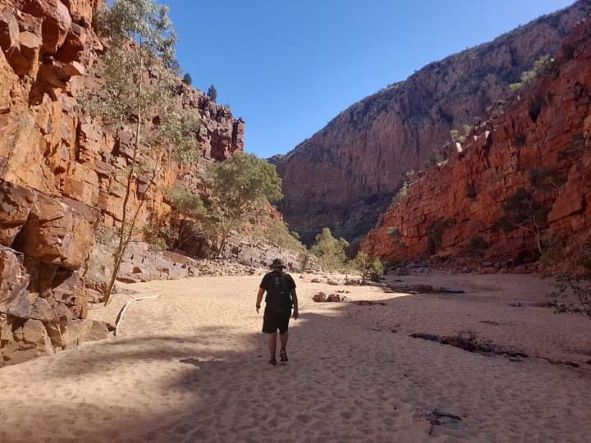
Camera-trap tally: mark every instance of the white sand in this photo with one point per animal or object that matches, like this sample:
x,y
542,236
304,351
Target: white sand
x,y
191,366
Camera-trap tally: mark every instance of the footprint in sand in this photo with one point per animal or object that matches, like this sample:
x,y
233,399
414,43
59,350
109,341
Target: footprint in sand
x,y
304,418
346,415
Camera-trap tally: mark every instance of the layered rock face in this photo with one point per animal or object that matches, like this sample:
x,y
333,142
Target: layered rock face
x,y
539,149
346,174
62,174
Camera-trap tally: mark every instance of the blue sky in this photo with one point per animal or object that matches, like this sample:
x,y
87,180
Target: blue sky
x,y
289,66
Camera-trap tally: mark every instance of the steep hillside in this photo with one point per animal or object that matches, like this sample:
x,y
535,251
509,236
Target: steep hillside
x,y
346,174
519,189
62,174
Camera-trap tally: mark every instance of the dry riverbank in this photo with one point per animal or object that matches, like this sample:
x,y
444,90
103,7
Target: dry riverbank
x,y
191,366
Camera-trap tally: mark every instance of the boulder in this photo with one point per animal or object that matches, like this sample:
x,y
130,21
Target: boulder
x,y
13,278
29,340
15,205
5,330
56,233
41,310
25,60
56,22
9,32
82,11
33,331
79,331
74,45
319,297
334,298
99,267
21,306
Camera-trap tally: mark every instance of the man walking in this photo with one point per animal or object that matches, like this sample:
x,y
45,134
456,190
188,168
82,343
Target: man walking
x,y
281,296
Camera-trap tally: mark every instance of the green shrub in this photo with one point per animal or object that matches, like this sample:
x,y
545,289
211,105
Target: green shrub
x,y
519,140
330,251
545,179
572,290
572,294
477,243
543,65
212,93
435,234
402,192
396,235
514,87
574,148
187,80
394,232
157,235
276,232
522,211
369,269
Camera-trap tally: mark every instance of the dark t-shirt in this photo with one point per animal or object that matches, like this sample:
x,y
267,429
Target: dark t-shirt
x,y
278,286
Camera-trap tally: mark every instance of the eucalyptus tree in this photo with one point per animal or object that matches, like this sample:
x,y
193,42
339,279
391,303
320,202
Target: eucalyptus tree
x,y
236,189
139,78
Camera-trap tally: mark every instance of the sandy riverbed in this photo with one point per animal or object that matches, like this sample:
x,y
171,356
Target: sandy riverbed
x,y
191,366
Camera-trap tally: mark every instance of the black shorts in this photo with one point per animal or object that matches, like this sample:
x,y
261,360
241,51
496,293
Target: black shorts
x,y
276,319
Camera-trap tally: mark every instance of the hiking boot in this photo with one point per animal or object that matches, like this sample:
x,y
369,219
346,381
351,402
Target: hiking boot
x,y
283,356
273,362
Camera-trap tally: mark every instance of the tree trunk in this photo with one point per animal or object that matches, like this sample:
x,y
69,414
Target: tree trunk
x,y
122,246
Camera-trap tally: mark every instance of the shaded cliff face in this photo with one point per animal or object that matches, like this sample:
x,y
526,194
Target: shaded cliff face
x,y
63,174
541,145
345,175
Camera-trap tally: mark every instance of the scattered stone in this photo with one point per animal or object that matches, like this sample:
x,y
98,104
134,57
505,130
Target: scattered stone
x,y
469,343
437,417
490,322
334,298
129,280
368,303
424,289
319,297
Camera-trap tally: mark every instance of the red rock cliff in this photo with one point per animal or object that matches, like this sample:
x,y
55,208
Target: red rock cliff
x,y
346,174
542,144
62,174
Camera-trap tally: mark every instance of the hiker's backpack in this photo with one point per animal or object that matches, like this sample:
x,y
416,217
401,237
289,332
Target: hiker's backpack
x,y
279,288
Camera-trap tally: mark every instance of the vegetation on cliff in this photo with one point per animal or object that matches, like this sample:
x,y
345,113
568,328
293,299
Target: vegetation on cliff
x,y
235,190
515,195
137,82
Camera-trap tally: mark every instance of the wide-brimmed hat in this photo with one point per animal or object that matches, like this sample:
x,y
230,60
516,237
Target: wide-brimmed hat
x,y
277,263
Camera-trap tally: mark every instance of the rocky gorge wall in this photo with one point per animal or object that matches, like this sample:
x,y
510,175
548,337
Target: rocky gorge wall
x,y
541,144
345,175
63,174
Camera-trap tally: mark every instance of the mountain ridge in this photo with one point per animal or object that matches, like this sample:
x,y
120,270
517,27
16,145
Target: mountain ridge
x,y
350,169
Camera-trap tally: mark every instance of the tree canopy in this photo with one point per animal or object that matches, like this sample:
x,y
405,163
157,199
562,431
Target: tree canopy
x,y
330,251
235,188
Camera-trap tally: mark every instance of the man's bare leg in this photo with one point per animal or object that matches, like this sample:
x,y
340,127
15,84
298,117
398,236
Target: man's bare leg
x,y
273,345
283,353
284,337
